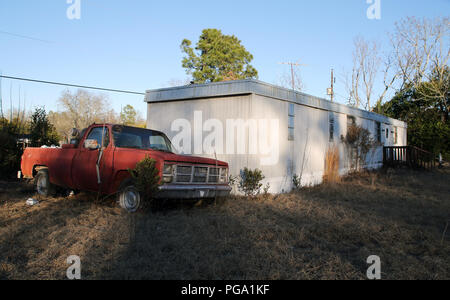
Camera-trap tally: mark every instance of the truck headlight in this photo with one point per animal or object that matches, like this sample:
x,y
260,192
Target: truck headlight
x,y
168,170
168,173
168,179
223,178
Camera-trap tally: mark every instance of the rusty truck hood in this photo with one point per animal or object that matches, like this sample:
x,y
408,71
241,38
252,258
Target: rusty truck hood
x,y
176,158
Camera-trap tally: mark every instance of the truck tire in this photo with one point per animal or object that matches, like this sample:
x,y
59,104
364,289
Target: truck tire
x,y
129,197
43,184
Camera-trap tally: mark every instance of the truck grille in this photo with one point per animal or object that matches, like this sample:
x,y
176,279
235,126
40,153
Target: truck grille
x,y
214,174
184,178
184,170
200,174
184,174
197,174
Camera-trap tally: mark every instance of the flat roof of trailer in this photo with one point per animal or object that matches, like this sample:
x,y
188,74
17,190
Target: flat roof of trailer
x,y
256,87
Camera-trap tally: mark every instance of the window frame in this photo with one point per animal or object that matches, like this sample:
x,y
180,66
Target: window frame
x,y
331,127
117,131
353,118
106,137
378,131
291,122
395,135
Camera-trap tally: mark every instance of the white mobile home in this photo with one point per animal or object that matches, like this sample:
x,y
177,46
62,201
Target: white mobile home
x,y
253,124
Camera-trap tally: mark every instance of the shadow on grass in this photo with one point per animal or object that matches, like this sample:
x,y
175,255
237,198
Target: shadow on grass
x,y
325,232
223,243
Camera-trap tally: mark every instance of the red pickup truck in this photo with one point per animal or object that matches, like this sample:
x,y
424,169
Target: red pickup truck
x,y
100,158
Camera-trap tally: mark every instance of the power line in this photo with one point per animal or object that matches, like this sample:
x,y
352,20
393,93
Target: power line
x,y
24,37
344,98
72,85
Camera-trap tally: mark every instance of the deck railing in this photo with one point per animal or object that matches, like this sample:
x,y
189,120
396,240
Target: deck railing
x,y
410,156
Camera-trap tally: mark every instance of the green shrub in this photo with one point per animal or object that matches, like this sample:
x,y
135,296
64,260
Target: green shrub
x,y
146,177
360,143
296,180
10,152
43,133
250,183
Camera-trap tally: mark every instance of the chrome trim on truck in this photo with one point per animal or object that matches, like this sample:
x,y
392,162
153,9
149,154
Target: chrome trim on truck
x,y
176,191
200,174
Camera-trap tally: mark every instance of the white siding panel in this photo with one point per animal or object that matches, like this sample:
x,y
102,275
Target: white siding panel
x,y
304,156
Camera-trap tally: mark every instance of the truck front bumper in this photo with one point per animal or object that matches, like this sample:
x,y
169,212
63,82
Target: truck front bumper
x,y
181,192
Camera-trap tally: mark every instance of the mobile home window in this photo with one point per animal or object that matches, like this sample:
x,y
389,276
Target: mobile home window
x,y
387,133
395,135
351,121
291,120
378,130
331,127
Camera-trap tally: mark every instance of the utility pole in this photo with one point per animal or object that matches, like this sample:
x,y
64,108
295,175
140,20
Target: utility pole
x,y
292,71
332,85
330,91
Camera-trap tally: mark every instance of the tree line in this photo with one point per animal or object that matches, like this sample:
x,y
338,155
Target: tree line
x,y
79,109
413,68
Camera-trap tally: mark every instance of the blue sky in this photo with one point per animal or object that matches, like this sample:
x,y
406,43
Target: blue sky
x,y
134,45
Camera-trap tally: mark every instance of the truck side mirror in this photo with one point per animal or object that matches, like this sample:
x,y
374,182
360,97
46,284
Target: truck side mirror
x,y
91,144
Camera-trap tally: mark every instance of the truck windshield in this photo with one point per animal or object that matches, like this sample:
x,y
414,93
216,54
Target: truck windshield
x,y
137,138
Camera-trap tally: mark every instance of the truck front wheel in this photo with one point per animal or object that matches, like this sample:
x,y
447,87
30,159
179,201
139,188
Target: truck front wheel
x,y
129,197
43,185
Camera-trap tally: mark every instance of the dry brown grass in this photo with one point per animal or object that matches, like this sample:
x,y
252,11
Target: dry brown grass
x,y
331,174
325,232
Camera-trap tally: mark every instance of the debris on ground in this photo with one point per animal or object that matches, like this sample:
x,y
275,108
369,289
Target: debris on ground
x,y
32,202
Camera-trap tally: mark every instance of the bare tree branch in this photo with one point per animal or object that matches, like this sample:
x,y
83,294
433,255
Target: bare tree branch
x,y
366,63
285,80
422,51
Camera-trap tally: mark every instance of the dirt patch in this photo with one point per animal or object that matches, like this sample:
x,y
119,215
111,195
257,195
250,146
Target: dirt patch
x,y
325,232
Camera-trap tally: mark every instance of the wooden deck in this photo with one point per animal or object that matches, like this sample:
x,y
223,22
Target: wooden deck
x,y
409,156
